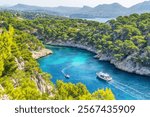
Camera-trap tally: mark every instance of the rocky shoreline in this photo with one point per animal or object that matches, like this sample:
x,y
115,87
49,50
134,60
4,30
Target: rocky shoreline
x,y
69,44
125,65
41,53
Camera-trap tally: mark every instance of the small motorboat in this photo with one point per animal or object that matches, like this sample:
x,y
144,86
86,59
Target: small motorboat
x,y
67,76
63,71
104,76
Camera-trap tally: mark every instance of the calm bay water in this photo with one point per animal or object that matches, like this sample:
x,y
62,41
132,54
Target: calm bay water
x,y
102,20
82,67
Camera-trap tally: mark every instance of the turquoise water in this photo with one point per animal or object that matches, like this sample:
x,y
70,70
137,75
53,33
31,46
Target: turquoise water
x,y
81,66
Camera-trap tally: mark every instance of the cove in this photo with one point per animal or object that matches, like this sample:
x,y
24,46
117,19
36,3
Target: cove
x,y
82,67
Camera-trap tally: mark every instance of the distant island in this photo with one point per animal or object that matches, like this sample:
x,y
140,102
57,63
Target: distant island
x,y
100,11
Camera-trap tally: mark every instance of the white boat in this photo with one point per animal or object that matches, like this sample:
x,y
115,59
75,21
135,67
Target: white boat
x,y
67,76
104,76
63,71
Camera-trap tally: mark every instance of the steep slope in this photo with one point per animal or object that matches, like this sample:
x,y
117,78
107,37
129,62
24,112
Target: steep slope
x,y
105,10
110,10
140,8
20,75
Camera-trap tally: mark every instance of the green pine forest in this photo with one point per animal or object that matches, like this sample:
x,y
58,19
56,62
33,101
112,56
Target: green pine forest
x,y
23,32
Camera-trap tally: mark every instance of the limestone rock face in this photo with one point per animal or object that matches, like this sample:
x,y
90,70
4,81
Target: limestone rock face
x,y
126,65
3,96
42,85
104,57
20,63
130,66
41,53
73,44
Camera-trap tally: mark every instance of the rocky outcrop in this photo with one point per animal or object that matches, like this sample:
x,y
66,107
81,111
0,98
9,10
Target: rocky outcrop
x,y
104,57
20,63
72,44
41,53
129,66
3,96
42,85
126,65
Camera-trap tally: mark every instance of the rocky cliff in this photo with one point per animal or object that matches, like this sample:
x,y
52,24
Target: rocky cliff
x,y
41,53
126,65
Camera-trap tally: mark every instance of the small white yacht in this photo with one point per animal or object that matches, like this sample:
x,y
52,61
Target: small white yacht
x,y
104,76
67,76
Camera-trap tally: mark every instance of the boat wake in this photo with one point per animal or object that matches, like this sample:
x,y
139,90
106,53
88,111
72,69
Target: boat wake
x,y
129,90
64,69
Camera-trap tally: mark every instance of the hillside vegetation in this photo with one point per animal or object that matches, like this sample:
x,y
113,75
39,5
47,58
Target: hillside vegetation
x,y
118,39
20,75
124,41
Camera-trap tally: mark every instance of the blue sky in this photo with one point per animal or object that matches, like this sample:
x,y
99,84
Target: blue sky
x,y
78,3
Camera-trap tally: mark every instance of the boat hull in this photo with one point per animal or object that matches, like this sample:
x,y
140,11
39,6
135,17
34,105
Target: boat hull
x,y
108,79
